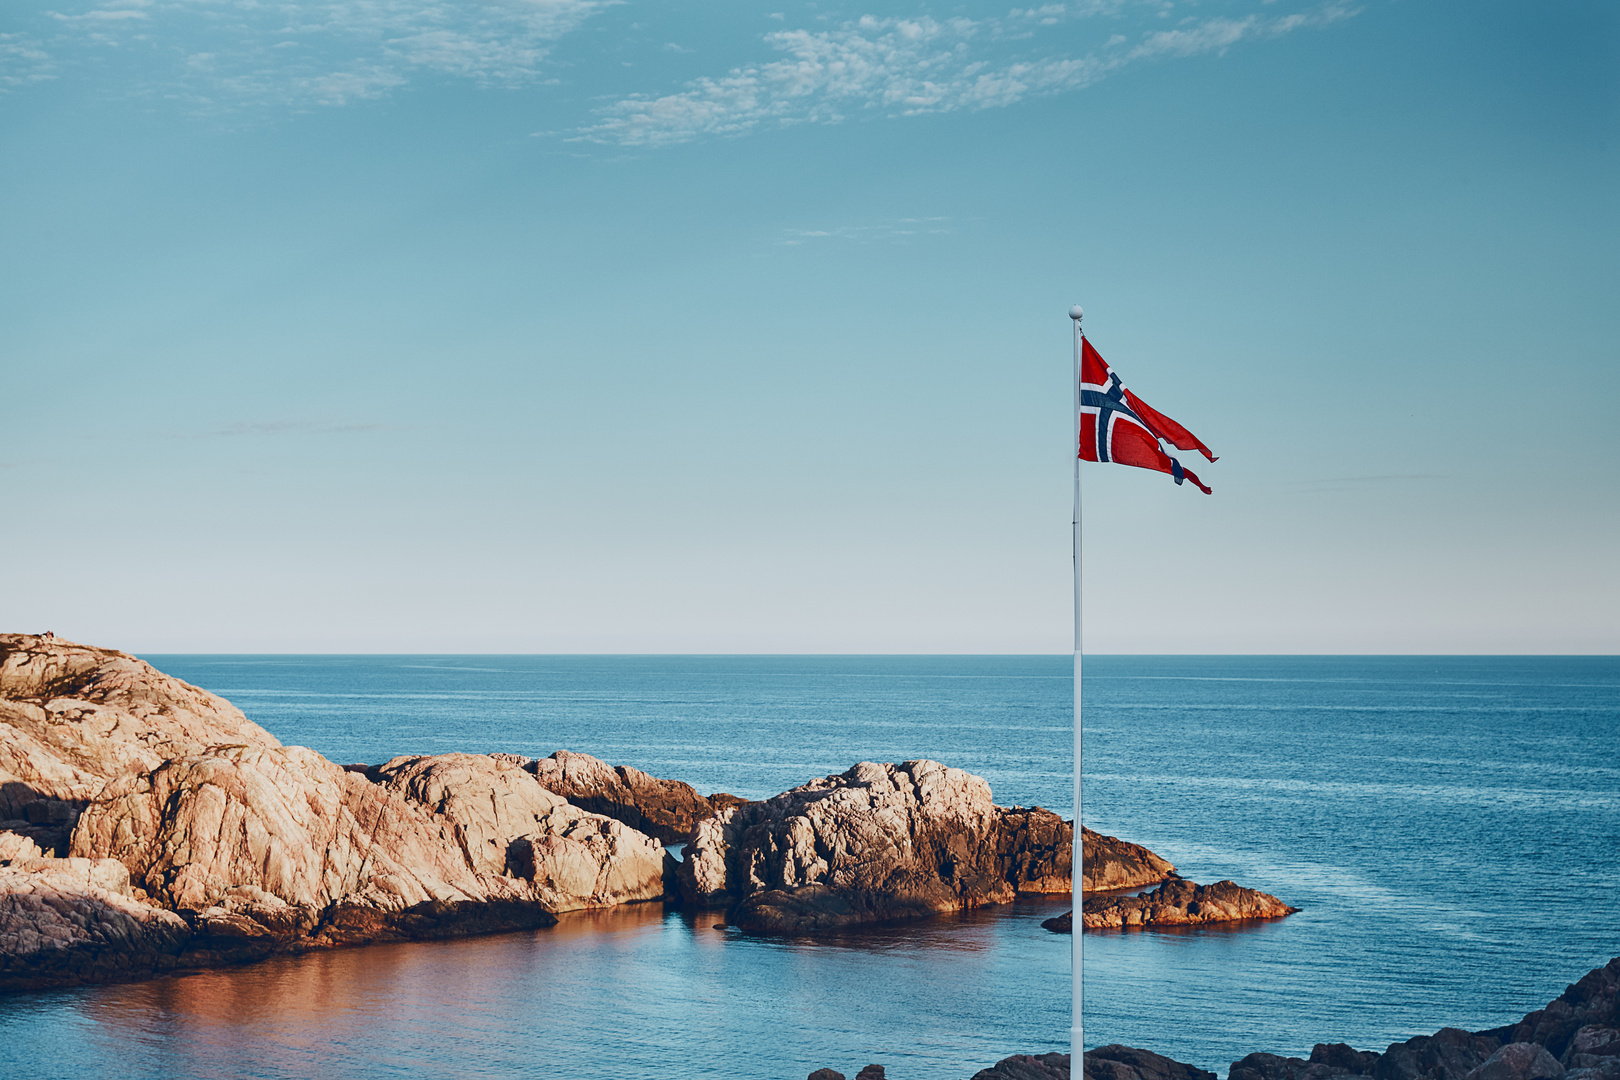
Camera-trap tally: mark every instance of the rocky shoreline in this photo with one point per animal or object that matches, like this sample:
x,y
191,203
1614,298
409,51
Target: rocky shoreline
x,y
1575,1037
147,826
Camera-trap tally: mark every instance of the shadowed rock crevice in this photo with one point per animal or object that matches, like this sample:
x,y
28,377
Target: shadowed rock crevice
x,y
667,809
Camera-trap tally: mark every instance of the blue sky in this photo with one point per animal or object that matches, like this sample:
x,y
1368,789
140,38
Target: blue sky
x,y
576,326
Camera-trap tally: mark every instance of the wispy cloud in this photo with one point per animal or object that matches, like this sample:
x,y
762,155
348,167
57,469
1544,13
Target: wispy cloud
x,y
325,52
292,427
898,231
23,60
1334,484
903,67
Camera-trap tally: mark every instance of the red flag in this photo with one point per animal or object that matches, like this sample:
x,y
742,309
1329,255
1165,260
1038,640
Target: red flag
x,y
1116,425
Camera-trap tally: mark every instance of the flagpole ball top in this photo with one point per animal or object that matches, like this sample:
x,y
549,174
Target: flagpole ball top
x,y
1075,313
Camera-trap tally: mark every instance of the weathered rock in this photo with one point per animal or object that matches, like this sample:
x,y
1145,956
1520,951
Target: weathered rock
x,y
1175,903
666,809
283,838
1591,1046
506,822
1182,903
1518,1061
1112,864
1129,1063
1448,1054
871,1072
73,717
1034,849
1027,1067
1593,1002
877,843
1104,1063
826,1074
15,846
62,923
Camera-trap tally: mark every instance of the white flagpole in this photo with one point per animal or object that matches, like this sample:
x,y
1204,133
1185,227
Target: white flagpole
x,y
1077,868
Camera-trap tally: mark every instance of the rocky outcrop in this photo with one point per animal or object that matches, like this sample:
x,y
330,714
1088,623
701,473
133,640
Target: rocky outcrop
x,y
1182,903
666,809
1027,1067
272,849
506,822
885,843
1175,903
77,920
197,838
877,843
1103,1063
73,717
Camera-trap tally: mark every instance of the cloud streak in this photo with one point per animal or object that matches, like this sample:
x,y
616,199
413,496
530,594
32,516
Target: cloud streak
x,y
898,231
292,427
23,60
323,52
908,67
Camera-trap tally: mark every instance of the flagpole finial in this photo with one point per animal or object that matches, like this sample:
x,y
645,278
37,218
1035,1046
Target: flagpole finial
x,y
1075,313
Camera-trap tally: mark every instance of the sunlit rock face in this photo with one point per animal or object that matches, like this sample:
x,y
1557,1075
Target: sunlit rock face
x,y
194,837
73,717
507,823
876,843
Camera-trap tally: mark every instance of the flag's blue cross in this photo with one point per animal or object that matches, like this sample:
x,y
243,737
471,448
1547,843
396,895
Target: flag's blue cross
x,y
1107,402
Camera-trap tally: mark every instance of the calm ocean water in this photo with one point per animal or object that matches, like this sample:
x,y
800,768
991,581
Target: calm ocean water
x,y
1449,826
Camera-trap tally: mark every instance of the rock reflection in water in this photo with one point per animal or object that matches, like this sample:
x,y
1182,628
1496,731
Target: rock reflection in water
x,y
628,992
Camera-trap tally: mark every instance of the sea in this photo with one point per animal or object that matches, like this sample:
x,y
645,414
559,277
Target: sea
x,y
1449,828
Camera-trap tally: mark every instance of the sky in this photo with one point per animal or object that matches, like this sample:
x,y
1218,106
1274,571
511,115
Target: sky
x,y
625,326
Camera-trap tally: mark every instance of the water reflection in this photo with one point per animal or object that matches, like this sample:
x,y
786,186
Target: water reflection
x,y
629,991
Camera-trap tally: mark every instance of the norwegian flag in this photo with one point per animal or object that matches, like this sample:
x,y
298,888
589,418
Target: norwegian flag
x,y
1116,425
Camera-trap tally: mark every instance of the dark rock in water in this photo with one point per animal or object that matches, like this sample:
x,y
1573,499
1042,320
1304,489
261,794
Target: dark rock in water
x,y
1129,1063
666,809
871,1072
1034,850
826,1074
1182,903
1519,1061
1104,1063
1027,1067
1448,1054
1175,903
1576,1037
1343,1058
